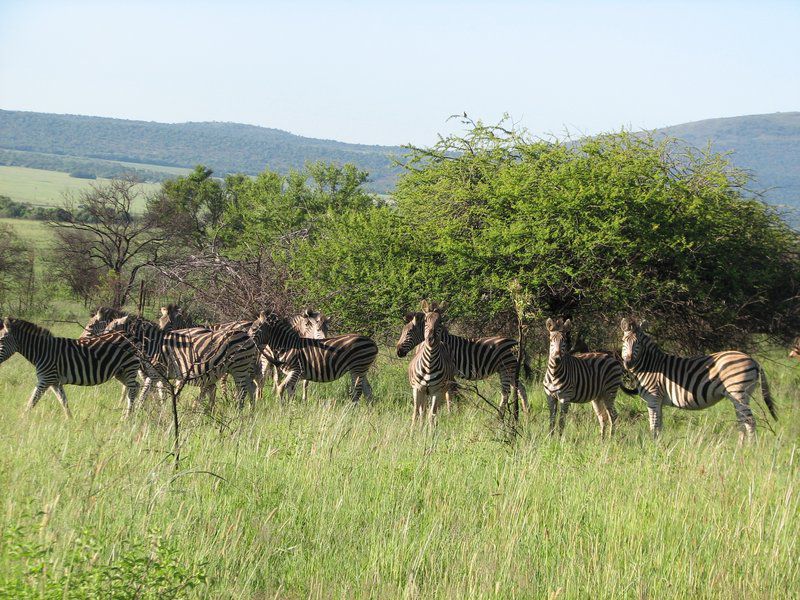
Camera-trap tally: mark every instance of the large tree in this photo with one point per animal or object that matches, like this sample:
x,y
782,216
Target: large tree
x,y
104,241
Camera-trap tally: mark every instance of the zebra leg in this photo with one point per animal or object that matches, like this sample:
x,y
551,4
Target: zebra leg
x,y
160,389
276,381
419,405
288,385
523,395
148,383
357,382
367,388
552,404
434,408
58,390
602,415
654,412
40,389
747,424
562,416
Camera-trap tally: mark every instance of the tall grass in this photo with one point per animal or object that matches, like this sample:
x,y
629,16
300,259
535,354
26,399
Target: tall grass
x,y
326,499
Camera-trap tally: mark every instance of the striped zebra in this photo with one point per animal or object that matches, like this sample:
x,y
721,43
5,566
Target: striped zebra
x,y
198,356
431,373
308,324
315,359
692,383
579,378
474,358
60,361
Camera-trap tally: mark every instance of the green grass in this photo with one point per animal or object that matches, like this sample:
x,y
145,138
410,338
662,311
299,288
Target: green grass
x,y
36,233
339,501
47,188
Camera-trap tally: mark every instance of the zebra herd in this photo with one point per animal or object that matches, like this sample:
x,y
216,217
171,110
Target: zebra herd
x,y
173,351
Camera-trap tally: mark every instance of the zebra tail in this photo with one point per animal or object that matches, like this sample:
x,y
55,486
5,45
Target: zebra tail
x,y
765,394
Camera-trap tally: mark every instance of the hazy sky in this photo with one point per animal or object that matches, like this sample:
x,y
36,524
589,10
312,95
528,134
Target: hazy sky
x,y
392,72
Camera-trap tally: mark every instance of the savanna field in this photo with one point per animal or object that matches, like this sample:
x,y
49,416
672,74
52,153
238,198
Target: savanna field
x,y
329,500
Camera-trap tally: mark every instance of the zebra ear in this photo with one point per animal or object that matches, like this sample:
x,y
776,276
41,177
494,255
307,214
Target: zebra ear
x,y
424,306
442,306
623,324
644,326
567,325
549,324
409,316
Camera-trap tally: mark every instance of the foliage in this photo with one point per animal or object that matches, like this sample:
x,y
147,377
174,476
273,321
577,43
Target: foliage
x,y
15,270
188,207
137,569
596,228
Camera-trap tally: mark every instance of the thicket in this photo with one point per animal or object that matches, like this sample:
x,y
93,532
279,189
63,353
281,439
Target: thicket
x,y
11,209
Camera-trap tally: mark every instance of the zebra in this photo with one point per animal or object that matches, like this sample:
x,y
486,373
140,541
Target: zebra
x,y
308,324
431,372
579,378
693,383
474,358
315,359
198,356
795,351
59,361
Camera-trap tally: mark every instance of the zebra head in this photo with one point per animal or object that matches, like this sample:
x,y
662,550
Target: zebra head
x,y
315,324
270,330
100,319
634,339
434,323
412,333
559,338
8,344
172,317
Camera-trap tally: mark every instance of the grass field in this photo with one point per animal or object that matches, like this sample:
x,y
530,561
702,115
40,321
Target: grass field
x,y
47,188
339,501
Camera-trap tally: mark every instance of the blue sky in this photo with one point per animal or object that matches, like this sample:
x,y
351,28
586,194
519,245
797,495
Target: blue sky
x,y
391,73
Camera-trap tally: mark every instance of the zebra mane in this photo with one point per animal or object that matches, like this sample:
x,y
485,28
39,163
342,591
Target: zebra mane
x,y
22,326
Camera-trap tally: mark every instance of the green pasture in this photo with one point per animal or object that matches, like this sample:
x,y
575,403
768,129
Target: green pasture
x,y
47,188
330,500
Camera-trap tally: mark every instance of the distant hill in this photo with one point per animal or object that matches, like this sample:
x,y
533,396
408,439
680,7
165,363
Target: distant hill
x,y
767,145
70,142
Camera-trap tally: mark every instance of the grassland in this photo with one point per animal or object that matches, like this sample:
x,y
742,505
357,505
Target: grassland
x,y
330,500
47,188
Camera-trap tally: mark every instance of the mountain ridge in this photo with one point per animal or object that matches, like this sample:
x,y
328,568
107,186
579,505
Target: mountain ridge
x,y
768,145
